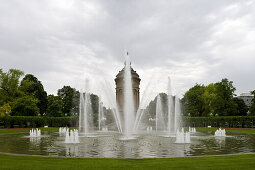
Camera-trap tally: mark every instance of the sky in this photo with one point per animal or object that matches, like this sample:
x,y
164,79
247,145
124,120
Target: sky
x,y
64,42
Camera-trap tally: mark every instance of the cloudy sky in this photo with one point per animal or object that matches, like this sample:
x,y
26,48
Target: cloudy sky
x,y
62,42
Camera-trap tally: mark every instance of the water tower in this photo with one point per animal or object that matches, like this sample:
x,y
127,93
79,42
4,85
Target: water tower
x,y
119,81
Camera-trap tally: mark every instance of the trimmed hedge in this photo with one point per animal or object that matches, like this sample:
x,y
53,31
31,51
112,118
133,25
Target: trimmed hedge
x,y
36,121
221,121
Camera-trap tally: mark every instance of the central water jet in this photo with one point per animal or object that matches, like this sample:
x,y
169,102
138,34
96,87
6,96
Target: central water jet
x,y
129,112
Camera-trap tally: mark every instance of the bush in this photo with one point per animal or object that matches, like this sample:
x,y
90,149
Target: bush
x,y
220,121
36,121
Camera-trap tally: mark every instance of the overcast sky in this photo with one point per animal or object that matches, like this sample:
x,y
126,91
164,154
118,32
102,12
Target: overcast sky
x,y
62,42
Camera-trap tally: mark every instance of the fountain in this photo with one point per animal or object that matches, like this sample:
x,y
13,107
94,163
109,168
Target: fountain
x,y
62,130
132,115
129,114
160,123
155,124
85,116
220,133
72,137
192,130
35,132
182,137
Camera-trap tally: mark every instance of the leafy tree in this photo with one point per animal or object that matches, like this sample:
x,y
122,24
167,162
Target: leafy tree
x,y
30,85
54,106
75,103
25,106
9,83
94,105
252,108
193,100
209,98
242,109
67,95
224,104
151,108
5,108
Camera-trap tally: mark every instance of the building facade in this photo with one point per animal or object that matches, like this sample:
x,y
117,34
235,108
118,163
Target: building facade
x,y
247,98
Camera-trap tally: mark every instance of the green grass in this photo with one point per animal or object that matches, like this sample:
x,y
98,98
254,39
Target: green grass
x,y
246,161
238,130
24,130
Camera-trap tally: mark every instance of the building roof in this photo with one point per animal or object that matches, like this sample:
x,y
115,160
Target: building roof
x,y
246,94
133,72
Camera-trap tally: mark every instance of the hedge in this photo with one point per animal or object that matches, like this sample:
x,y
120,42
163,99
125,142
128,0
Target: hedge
x,y
220,121
36,121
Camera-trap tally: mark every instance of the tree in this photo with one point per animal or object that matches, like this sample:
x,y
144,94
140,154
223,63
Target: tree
x,y
9,83
30,85
252,108
75,103
193,100
209,98
25,106
224,104
67,95
54,106
94,105
6,108
242,109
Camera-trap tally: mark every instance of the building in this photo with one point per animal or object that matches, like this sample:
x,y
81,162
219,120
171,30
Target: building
x,y
247,98
119,81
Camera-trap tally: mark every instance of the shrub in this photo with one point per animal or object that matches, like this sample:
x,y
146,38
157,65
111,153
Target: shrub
x,y
36,121
221,121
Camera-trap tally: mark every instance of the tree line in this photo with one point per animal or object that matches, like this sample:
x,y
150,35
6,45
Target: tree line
x,y
215,99
27,97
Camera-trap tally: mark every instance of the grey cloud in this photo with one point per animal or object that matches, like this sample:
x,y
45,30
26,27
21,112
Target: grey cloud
x,y
71,39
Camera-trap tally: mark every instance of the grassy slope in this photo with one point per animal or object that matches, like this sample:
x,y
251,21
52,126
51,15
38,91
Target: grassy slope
x,y
210,162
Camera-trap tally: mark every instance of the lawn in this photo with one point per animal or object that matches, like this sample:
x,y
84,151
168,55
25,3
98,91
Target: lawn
x,y
246,161
24,130
237,130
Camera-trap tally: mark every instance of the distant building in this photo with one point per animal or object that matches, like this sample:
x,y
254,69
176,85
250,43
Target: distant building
x,y
247,98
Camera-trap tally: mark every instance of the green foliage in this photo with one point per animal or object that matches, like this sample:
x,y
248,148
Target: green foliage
x,y
5,108
224,104
252,108
30,85
37,121
194,103
94,105
220,121
9,83
242,109
25,106
209,99
75,103
67,95
216,99
54,106
151,108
